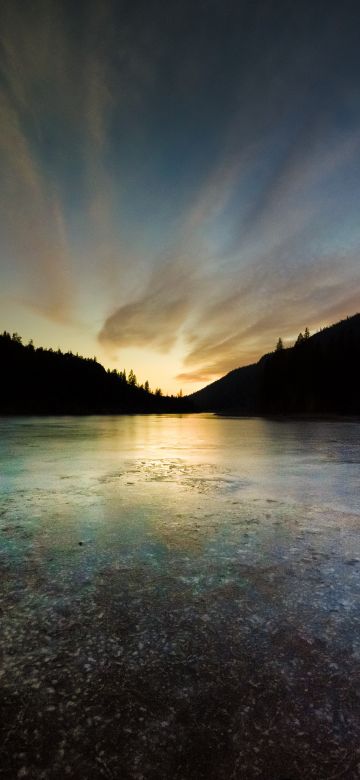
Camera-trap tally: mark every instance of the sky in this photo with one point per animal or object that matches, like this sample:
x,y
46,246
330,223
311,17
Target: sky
x,y
179,180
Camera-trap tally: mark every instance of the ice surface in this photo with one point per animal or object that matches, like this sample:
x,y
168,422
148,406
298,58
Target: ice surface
x,y
180,597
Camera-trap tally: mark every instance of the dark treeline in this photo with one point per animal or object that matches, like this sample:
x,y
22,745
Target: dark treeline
x,y
318,375
42,381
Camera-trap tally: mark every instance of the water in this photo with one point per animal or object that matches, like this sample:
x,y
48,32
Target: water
x,y
180,597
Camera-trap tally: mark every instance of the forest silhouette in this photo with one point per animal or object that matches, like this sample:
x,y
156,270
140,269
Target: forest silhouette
x,y
319,375
44,381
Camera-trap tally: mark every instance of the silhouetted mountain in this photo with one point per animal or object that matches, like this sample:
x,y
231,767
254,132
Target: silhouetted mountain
x,y
238,390
41,381
320,375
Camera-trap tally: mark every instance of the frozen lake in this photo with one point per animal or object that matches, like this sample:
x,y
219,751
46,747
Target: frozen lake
x,y
180,598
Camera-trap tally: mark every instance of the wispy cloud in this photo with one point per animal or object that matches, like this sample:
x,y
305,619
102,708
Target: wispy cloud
x,y
33,230
155,318
278,277
54,103
282,271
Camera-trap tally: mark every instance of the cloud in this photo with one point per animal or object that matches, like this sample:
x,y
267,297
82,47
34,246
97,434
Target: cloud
x,y
34,233
285,306
279,270
155,318
33,230
283,271
54,104
280,276
64,77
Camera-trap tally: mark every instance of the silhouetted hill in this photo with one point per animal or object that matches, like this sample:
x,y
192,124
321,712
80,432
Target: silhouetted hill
x,y
41,381
238,390
320,375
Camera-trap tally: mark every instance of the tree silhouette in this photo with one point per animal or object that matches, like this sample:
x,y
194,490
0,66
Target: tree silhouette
x,y
299,339
279,345
306,333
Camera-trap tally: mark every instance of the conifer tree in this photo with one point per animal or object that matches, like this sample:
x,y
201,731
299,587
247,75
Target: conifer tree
x,y
132,378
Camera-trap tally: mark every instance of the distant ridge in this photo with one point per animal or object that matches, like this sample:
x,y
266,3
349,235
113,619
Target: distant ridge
x,y
320,375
